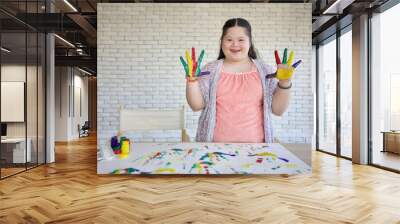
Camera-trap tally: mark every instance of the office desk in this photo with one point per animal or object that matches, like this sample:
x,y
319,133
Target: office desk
x,y
17,150
204,158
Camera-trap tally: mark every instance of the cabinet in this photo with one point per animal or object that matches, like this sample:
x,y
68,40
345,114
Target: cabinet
x,y
391,141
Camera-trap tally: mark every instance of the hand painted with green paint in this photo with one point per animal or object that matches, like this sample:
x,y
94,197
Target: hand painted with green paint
x,y
191,66
285,69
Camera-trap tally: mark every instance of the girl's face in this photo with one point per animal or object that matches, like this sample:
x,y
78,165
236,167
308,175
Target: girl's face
x,y
236,44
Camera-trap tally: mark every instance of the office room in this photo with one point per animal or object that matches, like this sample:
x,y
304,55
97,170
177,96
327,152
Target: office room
x,y
111,111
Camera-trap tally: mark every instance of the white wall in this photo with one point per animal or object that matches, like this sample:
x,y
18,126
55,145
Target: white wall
x,y
61,103
17,73
138,57
67,81
13,72
80,83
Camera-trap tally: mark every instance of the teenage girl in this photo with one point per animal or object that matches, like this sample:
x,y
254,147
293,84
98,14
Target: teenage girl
x,y
238,92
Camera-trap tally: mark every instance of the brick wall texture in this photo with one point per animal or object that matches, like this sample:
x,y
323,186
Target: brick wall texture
x,y
139,45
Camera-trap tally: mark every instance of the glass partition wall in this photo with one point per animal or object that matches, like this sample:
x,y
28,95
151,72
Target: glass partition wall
x,y
385,90
327,96
334,84
23,87
334,100
346,75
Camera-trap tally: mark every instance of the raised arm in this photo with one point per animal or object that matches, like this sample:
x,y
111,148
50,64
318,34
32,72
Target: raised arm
x,y
193,95
284,73
193,72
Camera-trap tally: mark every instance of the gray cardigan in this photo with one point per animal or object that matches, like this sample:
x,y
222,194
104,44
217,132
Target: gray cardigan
x,y
208,87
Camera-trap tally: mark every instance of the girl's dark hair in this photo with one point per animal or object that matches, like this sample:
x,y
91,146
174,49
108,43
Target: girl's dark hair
x,y
242,23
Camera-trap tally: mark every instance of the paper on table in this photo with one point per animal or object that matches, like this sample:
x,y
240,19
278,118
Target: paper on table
x,y
206,158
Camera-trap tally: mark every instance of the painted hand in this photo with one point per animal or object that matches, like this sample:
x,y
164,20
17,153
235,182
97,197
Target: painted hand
x,y
191,66
285,69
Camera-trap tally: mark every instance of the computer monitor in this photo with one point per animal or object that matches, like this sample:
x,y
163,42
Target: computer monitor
x,y
3,129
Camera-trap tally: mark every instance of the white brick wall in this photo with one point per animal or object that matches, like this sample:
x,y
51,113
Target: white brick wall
x,y
139,45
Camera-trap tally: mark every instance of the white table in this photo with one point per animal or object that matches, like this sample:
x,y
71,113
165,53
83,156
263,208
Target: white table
x,y
19,149
204,158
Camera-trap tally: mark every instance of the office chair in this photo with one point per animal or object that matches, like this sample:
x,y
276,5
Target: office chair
x,y
84,130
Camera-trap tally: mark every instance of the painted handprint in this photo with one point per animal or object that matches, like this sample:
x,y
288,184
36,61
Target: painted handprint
x,y
191,66
285,68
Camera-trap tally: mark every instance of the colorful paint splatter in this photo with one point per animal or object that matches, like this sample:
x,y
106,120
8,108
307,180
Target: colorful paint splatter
x,y
205,158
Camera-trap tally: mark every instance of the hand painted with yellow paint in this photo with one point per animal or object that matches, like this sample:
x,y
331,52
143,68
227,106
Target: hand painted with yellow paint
x,y
285,69
191,66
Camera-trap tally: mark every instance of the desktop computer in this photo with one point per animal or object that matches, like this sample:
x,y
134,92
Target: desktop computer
x,y
3,130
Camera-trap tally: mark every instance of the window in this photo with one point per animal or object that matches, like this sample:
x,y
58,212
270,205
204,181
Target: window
x,y
346,75
327,96
385,89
